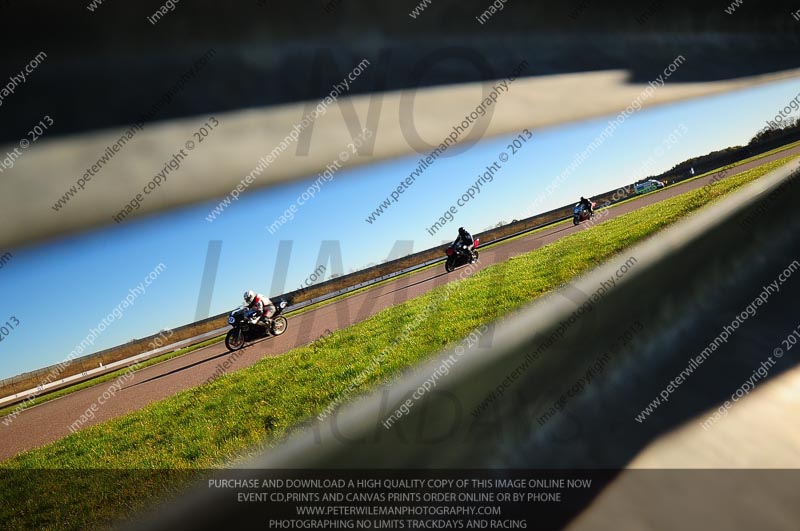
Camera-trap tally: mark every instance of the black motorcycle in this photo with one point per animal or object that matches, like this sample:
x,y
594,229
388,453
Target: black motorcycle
x,y
458,257
244,331
581,213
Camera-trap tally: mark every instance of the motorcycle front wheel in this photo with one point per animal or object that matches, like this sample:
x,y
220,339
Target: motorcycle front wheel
x,y
575,220
450,264
279,325
235,339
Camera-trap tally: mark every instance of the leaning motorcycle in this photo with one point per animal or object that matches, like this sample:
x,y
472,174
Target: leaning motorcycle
x,y
243,331
581,213
457,257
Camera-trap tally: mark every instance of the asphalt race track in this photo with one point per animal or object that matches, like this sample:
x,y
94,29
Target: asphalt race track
x,y
50,421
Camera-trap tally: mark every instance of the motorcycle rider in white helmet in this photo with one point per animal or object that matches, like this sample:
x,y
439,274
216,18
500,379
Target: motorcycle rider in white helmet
x,y
264,309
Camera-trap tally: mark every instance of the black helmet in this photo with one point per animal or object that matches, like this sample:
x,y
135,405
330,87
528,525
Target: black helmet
x,y
461,230
583,198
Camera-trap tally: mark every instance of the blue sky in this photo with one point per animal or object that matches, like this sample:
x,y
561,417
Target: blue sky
x,y
61,290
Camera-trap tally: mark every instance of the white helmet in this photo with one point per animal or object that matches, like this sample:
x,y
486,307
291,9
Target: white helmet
x,y
249,295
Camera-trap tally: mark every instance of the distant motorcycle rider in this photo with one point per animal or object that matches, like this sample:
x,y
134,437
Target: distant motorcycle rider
x,y
586,204
465,242
264,309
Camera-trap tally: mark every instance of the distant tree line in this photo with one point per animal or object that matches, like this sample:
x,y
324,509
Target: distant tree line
x,y
765,140
790,125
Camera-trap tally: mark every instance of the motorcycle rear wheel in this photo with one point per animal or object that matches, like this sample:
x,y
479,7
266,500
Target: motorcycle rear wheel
x,y
279,325
234,340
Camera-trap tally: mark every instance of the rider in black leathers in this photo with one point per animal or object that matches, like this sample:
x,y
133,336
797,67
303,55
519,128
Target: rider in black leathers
x,y
586,204
465,242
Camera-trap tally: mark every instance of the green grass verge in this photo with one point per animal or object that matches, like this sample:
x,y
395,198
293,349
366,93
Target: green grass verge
x,y
203,427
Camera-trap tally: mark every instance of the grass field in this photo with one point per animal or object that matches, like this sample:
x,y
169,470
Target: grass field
x,y
203,427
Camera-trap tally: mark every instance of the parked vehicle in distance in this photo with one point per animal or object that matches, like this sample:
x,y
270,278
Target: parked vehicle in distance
x,y
648,186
